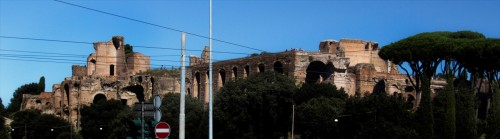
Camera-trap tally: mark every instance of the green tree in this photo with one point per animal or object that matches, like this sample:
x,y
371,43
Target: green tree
x,y
466,104
423,53
15,101
493,119
41,84
312,90
316,117
377,116
257,107
424,113
196,118
33,124
444,111
3,112
317,107
4,132
128,49
110,115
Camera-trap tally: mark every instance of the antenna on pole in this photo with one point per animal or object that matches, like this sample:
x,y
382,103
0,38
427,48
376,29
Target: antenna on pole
x,y
210,121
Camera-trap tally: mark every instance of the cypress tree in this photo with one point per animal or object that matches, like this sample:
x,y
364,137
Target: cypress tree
x,y
493,119
41,85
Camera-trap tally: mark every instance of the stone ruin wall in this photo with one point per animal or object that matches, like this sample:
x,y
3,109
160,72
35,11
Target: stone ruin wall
x,y
77,70
94,81
351,64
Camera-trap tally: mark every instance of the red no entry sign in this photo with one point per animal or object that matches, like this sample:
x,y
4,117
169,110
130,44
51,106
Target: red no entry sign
x,y
162,130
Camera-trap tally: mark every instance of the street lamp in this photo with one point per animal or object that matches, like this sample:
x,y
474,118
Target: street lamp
x,y
52,129
100,128
336,120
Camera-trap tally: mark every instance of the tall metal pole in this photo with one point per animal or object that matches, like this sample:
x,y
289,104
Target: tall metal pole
x,y
210,121
183,86
142,120
293,120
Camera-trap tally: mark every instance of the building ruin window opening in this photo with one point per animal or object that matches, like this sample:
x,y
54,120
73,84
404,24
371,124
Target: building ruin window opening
x,y
111,70
38,101
139,79
189,92
93,61
330,69
197,85
99,97
222,78
66,90
247,71
124,101
278,67
138,90
314,71
235,72
262,68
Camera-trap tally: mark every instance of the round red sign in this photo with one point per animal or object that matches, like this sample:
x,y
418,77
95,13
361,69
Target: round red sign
x,y
162,130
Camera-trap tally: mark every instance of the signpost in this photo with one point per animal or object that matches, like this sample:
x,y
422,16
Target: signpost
x,y
157,111
149,110
162,130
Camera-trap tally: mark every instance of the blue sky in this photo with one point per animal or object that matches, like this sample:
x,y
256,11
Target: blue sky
x,y
272,26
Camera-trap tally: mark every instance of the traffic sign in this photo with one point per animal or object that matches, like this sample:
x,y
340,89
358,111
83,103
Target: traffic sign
x,y
162,130
157,103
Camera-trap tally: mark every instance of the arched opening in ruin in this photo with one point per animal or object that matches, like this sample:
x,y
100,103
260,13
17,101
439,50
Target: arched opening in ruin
x,y
247,71
222,78
330,69
93,66
139,79
38,101
205,94
66,91
47,103
278,67
409,89
124,101
316,72
99,97
197,85
111,70
138,90
235,72
188,92
379,87
262,68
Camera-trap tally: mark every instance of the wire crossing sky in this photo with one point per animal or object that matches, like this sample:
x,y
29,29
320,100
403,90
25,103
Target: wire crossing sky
x,y
153,26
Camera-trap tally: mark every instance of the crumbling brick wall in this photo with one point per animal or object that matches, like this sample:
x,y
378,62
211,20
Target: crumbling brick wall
x,y
78,70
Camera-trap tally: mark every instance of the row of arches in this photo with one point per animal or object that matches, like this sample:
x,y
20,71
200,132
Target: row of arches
x,y
221,76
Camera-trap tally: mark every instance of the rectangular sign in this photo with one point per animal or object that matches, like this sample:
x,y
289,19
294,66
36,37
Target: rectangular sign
x,y
147,107
146,114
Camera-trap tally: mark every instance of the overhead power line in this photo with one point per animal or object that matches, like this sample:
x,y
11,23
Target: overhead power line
x,y
138,46
156,25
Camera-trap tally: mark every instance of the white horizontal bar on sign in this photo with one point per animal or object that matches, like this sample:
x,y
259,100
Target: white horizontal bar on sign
x,y
163,130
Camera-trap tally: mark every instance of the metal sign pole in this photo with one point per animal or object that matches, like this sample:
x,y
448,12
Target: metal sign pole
x,y
183,87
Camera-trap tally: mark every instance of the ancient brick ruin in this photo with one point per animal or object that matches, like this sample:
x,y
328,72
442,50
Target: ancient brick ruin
x,y
110,73
350,64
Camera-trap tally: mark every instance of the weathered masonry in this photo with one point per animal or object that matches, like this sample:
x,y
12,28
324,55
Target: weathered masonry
x,y
110,73
351,64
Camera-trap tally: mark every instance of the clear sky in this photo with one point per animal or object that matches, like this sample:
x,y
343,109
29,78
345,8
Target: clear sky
x,y
269,25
